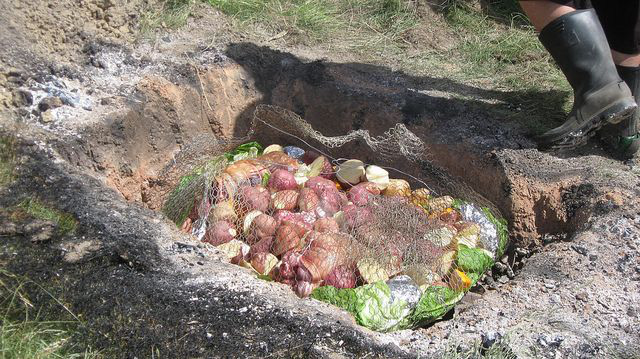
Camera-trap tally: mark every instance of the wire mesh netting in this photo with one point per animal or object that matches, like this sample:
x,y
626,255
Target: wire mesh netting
x,y
369,238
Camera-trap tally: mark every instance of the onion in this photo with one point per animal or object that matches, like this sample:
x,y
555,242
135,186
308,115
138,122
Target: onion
x,y
341,277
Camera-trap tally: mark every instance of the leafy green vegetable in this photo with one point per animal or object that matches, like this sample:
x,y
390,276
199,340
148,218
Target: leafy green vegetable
x,y
370,304
265,179
435,302
457,203
473,260
501,227
245,150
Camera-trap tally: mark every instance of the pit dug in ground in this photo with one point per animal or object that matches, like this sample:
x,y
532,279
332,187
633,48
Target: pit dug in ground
x,y
370,239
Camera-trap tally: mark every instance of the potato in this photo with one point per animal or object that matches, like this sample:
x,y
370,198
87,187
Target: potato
x,y
286,200
439,204
310,156
355,216
308,200
281,180
321,167
273,148
351,172
397,187
326,225
278,160
223,211
303,219
341,277
263,262
242,170
319,184
377,175
263,245
220,232
361,193
254,198
324,253
263,226
288,237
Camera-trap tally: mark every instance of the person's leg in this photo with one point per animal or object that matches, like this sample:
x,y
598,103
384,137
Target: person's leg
x,y
541,13
576,41
621,23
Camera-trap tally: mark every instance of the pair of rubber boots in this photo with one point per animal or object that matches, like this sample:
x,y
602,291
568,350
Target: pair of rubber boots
x,y
604,100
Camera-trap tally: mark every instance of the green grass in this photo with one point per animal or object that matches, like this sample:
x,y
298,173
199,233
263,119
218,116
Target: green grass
x,y
25,333
7,160
172,14
499,350
64,222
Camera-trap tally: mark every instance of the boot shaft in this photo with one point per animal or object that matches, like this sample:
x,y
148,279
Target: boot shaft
x,y
579,46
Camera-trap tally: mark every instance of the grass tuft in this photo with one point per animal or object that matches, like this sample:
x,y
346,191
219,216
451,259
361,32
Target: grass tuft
x,y
173,14
64,222
7,160
24,333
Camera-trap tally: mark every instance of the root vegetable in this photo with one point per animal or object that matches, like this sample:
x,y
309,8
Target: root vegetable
x,y
351,172
288,237
254,198
263,245
248,219
361,193
341,277
304,289
397,187
450,216
281,180
263,262
263,226
303,219
234,249
326,225
278,160
318,184
439,204
325,252
308,200
310,156
303,274
220,232
356,216
377,175
241,171
420,197
272,148
224,211
321,167
286,200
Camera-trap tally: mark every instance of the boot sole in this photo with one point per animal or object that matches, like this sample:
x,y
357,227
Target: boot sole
x,y
613,114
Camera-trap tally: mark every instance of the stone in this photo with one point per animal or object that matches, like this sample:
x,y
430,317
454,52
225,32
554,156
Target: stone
x,y
50,102
46,116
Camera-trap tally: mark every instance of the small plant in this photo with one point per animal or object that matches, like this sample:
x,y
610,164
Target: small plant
x,y
7,160
33,207
25,333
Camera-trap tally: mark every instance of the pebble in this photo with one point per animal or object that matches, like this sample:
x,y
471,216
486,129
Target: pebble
x,y
582,296
490,338
503,279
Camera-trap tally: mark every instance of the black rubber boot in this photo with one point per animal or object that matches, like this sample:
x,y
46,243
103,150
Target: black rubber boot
x,y
578,45
622,140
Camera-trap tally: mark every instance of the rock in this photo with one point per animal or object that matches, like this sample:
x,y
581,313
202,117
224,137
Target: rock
x,y
22,98
632,312
50,102
8,228
46,116
503,279
582,296
40,231
490,338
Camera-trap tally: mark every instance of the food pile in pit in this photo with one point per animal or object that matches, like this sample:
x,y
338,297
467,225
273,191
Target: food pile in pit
x,y
342,232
